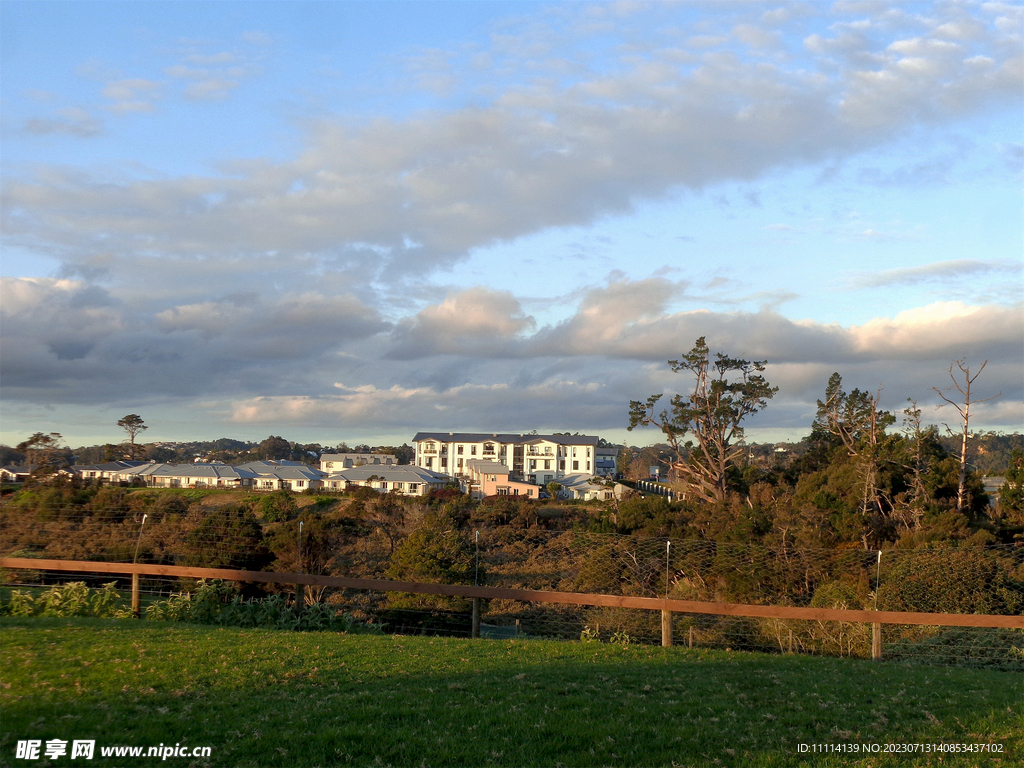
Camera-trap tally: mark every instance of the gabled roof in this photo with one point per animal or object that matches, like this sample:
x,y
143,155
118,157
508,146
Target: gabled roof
x,y
291,470
214,471
504,438
292,473
579,481
398,473
109,466
270,464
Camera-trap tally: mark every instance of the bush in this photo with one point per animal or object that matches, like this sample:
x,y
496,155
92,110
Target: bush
x,y
72,599
964,646
216,602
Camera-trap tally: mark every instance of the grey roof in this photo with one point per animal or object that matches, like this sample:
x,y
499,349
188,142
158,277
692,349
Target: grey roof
x,y
110,466
292,473
399,473
216,471
270,464
25,470
485,465
504,438
286,470
578,481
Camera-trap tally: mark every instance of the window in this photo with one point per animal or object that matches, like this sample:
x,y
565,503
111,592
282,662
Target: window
x,y
460,461
384,485
397,486
575,466
533,464
414,487
460,450
472,450
547,464
430,462
444,462
299,483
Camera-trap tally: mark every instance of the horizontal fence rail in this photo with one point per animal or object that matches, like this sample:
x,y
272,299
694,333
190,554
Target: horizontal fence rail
x,y
666,605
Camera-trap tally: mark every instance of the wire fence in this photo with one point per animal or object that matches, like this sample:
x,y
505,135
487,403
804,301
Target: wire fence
x,y
954,580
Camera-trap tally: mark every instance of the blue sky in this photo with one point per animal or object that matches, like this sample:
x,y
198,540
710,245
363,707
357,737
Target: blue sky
x,y
356,220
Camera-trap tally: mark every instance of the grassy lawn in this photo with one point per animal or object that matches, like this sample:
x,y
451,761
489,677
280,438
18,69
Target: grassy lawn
x,y
267,698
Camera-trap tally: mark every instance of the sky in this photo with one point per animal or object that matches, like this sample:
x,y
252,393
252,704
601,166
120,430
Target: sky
x,y
353,221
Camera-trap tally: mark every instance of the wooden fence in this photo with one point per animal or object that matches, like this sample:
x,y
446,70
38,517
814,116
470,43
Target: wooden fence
x,y
665,605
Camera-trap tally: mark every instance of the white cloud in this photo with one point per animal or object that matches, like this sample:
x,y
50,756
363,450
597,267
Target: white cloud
x,y
535,157
949,271
132,95
72,121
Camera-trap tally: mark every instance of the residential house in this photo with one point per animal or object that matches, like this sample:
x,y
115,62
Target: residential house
x,y
582,487
335,462
405,479
283,475
101,472
491,478
535,459
607,460
186,476
16,474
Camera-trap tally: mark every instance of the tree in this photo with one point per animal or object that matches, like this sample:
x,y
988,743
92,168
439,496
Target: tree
x,y
1011,495
43,451
964,409
437,552
133,425
725,392
274,447
858,423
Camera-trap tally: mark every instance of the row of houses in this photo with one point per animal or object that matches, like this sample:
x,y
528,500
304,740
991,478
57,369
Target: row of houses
x,y
493,464
256,475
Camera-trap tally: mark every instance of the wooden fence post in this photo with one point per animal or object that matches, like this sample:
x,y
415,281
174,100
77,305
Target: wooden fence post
x,y
876,641
476,617
136,597
666,629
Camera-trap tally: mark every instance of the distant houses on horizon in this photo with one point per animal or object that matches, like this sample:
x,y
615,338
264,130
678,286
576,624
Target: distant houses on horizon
x,y
483,464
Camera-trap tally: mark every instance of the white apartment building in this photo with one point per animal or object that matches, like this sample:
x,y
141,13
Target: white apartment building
x,y
537,459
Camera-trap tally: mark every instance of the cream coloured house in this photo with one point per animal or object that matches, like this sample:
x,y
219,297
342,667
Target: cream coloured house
x,y
537,459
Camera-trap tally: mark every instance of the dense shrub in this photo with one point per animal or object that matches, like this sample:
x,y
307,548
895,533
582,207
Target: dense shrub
x,y
964,646
72,599
216,602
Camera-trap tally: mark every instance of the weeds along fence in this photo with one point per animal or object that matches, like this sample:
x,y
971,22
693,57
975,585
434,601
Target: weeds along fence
x,y
776,617
945,604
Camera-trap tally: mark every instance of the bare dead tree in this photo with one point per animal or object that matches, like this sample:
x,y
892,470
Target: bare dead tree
x,y
963,407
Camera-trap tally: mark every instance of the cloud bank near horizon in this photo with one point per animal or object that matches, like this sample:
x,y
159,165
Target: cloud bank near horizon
x,y
392,266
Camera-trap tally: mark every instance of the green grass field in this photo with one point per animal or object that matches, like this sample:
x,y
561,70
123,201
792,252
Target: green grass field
x,y
274,698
